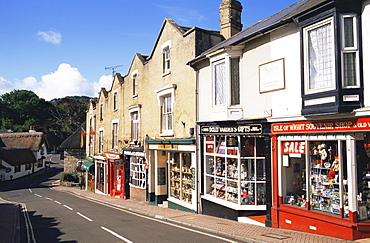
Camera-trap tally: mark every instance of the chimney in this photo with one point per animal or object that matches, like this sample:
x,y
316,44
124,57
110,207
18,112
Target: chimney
x,y
230,18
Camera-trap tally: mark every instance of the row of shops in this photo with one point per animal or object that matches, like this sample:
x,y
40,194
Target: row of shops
x,y
306,175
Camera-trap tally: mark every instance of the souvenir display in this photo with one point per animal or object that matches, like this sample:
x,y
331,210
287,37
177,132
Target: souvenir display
x,y
181,178
233,176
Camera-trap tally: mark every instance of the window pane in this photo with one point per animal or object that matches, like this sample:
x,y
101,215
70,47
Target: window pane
x,y
235,81
220,85
349,40
321,71
349,66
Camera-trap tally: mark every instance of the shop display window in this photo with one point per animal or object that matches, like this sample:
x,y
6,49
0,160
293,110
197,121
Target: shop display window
x,y
235,169
181,176
315,175
363,177
137,172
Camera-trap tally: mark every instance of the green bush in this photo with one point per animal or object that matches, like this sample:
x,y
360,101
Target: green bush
x,y
70,177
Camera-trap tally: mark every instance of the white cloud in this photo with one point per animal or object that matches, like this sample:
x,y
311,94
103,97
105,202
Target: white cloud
x,y
50,36
5,86
65,81
104,81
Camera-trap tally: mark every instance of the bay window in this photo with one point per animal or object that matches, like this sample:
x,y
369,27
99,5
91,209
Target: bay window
x,y
235,169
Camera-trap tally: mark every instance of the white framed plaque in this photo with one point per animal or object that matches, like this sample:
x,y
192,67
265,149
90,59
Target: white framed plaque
x,y
272,76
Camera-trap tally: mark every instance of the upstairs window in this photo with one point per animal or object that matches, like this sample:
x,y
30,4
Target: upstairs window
x,y
226,75
115,135
319,53
220,83
166,59
101,141
349,51
234,81
101,112
135,122
134,85
115,101
166,114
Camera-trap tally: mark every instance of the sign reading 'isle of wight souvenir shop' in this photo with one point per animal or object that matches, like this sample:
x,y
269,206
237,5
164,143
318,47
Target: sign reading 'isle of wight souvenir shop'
x,y
343,125
245,129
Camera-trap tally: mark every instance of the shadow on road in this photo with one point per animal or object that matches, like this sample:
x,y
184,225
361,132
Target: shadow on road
x,y
45,229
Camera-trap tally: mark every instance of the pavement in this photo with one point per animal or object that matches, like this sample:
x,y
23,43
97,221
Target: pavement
x,y
244,232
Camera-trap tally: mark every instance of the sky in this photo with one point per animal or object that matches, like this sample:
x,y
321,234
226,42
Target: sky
x,y
59,48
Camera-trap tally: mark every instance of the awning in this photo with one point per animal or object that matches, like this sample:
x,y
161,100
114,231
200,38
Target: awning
x,y
88,166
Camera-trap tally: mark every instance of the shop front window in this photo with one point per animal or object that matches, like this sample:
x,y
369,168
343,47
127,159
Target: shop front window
x,y
315,175
235,169
181,175
137,172
363,177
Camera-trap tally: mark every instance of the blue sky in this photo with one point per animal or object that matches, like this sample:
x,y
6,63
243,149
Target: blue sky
x,y
61,47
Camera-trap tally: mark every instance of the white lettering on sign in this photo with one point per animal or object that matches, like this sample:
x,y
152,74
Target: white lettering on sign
x,y
294,147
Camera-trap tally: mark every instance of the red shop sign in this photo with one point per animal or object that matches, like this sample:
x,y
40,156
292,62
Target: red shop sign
x,y
343,125
294,148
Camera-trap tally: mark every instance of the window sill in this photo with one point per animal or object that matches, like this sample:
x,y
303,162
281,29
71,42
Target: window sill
x,y
168,72
167,134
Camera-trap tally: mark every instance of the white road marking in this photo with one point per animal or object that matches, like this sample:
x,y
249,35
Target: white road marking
x,y
68,207
116,235
30,234
57,202
83,216
30,190
37,195
48,198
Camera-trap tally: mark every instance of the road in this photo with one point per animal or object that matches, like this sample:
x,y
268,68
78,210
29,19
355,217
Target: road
x,y
55,216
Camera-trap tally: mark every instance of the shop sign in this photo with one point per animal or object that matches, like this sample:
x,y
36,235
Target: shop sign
x,y
294,147
245,129
112,155
343,125
168,146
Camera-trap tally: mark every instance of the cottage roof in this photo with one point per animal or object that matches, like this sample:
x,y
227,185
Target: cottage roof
x,y
30,140
17,155
281,18
74,141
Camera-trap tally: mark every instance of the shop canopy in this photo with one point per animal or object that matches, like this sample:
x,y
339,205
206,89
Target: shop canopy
x,y
88,166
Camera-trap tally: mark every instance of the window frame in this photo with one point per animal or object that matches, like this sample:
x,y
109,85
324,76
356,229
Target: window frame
x,y
134,133
166,57
353,49
115,100
307,66
135,82
115,128
168,90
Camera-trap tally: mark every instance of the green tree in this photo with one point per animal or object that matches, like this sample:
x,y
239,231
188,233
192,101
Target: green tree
x,y
23,108
70,112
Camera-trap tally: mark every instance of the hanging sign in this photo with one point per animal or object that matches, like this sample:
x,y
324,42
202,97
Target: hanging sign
x,y
343,125
294,147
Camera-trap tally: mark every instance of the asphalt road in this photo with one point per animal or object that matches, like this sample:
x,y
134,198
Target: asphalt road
x,y
55,216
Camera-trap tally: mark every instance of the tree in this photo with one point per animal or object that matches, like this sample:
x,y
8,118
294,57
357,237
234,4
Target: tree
x,y
70,112
21,109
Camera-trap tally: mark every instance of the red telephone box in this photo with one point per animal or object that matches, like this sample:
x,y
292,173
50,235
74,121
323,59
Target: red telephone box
x,y
116,175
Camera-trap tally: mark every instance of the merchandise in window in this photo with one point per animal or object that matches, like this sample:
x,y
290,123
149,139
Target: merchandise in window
x,y
181,176
363,177
327,189
235,169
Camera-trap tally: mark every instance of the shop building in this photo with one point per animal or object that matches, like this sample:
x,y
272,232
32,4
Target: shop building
x,y
235,160
321,172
